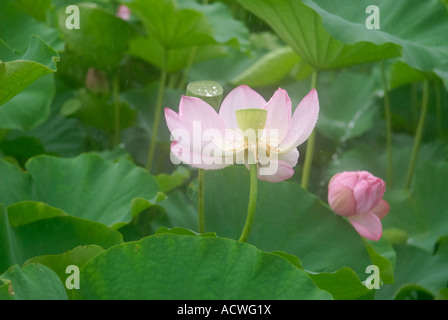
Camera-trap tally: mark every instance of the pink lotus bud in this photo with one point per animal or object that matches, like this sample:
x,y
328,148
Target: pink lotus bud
x,y
358,195
123,12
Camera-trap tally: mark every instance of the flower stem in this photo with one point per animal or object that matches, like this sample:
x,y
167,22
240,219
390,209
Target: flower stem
x,y
201,215
252,202
309,145
388,125
156,120
418,134
439,109
187,68
210,92
116,101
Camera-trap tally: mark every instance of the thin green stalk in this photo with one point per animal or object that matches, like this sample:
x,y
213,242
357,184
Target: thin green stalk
x,y
439,109
116,99
186,73
201,215
309,145
156,118
388,114
210,92
418,134
190,62
171,82
415,106
252,202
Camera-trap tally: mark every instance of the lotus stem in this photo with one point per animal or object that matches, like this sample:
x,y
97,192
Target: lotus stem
x,y
211,92
116,101
388,114
252,202
418,134
309,145
201,214
157,115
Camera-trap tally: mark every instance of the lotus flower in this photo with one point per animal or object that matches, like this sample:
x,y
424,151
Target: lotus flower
x,y
358,195
246,130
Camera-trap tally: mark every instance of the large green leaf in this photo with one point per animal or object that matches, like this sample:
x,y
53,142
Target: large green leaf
x,y
102,38
416,271
288,219
184,232
167,182
383,256
16,24
86,186
430,199
173,27
59,262
224,69
170,266
30,229
209,27
301,28
35,8
402,74
150,50
30,107
418,27
60,136
269,69
225,28
174,211
75,257
18,71
348,106
65,137
32,282
15,184
343,284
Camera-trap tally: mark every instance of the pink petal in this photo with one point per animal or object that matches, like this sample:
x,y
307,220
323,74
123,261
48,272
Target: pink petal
x,y
346,178
279,113
292,157
368,225
302,123
192,126
173,121
195,109
196,160
367,189
368,192
381,209
284,171
282,168
341,199
241,97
